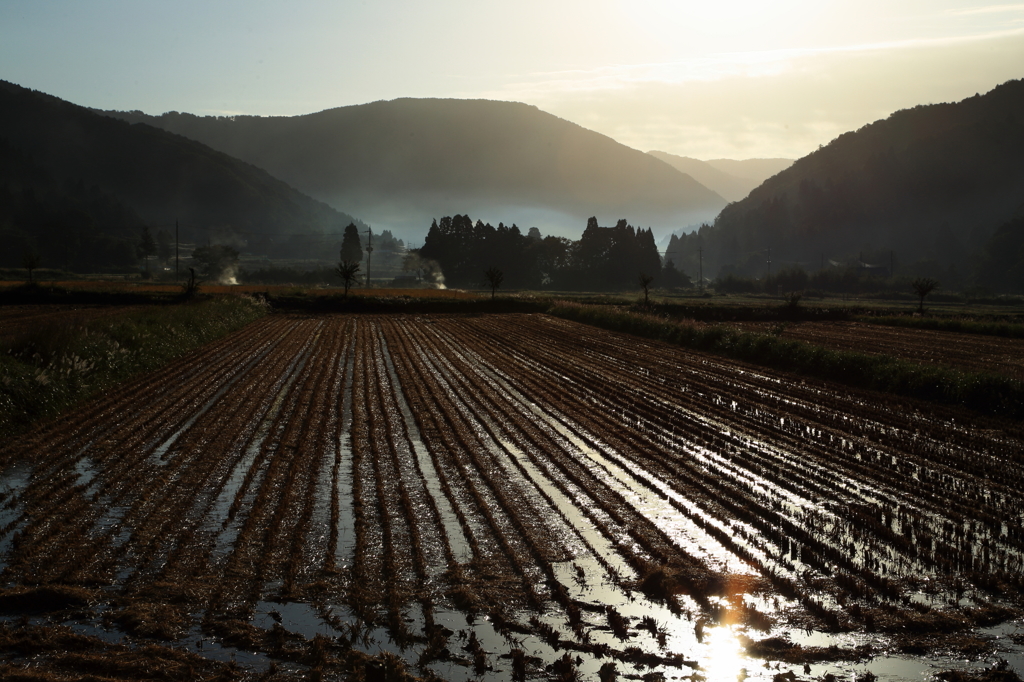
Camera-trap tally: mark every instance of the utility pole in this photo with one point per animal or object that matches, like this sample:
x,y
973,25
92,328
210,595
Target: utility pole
x,y
890,264
175,250
769,261
369,253
700,253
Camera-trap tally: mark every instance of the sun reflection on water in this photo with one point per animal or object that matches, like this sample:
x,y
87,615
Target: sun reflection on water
x,y
723,657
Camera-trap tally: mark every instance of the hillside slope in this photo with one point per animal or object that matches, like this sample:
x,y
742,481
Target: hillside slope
x,y
926,185
164,177
757,170
732,179
399,163
67,225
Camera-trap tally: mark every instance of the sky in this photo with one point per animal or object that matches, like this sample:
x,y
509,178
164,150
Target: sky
x,y
709,79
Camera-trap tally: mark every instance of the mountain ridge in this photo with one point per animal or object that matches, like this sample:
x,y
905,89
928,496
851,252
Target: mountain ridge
x,y
732,179
160,175
925,185
505,161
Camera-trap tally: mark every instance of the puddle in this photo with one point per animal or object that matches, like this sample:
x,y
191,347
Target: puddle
x,y
569,510
460,547
316,545
344,552
735,456
86,472
297,617
195,641
219,520
593,578
158,456
13,482
623,476
110,523
635,485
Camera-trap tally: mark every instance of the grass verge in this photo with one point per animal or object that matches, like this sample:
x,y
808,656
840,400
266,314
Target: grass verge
x,y
428,302
84,293
986,393
59,364
1010,330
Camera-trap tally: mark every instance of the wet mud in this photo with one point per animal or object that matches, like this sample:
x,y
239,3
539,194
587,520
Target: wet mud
x,y
512,497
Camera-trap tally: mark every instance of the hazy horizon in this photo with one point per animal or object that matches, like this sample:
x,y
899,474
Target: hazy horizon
x,y
732,79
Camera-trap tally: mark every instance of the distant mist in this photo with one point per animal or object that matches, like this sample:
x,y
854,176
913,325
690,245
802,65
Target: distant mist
x,y
409,217
733,179
399,164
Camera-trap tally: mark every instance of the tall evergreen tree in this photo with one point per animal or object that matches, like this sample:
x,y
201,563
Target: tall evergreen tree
x,y
351,247
650,260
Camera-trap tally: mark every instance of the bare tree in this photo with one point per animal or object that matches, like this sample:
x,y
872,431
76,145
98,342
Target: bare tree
x,y
191,287
494,279
348,270
30,261
922,287
645,283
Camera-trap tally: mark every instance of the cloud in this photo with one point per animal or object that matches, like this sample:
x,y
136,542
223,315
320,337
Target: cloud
x,y
988,9
781,103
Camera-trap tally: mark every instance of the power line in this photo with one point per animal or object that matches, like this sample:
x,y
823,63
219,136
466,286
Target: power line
x,y
233,231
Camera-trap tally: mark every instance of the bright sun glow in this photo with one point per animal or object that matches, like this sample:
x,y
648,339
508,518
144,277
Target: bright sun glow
x,y
723,657
698,78
721,26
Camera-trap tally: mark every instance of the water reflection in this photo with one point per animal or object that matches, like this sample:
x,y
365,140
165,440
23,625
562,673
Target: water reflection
x,y
723,656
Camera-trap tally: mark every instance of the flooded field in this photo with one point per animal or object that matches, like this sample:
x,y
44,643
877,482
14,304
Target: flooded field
x,y
514,497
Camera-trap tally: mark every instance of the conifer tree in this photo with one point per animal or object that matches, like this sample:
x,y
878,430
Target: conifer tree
x,y
351,246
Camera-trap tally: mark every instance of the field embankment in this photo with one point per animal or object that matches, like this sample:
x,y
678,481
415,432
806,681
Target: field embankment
x,y
820,358
970,352
1009,329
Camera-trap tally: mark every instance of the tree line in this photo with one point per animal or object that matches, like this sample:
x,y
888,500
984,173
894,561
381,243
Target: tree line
x,y
603,259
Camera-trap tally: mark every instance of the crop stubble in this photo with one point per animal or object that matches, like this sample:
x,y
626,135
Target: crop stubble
x,y
972,352
488,454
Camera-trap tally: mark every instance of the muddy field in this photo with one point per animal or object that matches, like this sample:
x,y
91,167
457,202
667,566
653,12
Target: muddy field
x,y
973,352
515,496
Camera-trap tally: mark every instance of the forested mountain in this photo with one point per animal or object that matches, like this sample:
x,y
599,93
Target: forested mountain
x,y
58,155
926,188
999,266
399,162
732,179
68,225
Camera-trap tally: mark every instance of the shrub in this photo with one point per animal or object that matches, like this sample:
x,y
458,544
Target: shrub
x,y
55,366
